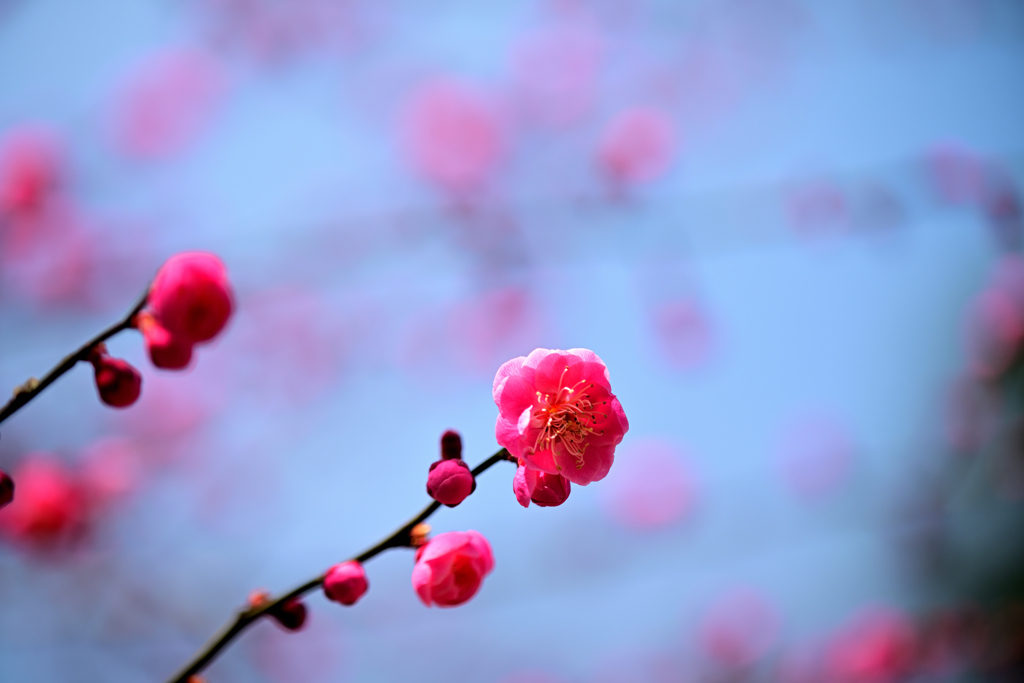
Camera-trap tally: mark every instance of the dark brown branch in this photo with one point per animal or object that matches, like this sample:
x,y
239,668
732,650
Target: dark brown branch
x,y
33,387
400,539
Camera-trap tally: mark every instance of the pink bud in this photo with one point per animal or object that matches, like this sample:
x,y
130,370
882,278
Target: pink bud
x,y
6,489
165,351
450,481
345,583
118,382
451,445
191,296
545,490
291,615
450,568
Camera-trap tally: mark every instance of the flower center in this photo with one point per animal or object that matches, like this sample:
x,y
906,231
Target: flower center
x,y
568,418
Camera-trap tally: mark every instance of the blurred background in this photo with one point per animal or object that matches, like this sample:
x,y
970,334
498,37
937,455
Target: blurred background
x,y
792,230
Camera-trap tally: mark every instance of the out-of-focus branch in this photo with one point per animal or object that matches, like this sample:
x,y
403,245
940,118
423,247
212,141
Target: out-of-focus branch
x,y
33,387
401,538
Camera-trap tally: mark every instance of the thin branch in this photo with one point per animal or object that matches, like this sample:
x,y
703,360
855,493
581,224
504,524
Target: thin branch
x,y
33,387
401,538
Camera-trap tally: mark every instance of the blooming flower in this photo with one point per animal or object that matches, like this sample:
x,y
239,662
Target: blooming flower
x,y
345,582
450,568
545,490
557,412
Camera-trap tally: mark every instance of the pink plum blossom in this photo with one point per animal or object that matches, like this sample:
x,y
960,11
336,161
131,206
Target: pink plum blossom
x,y
638,145
345,582
557,412
450,568
543,489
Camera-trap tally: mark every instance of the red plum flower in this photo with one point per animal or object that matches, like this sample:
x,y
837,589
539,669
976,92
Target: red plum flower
x,y
557,412
345,582
118,383
450,482
543,489
450,568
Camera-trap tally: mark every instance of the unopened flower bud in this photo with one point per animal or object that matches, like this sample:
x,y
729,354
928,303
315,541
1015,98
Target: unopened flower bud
x,y
543,489
291,615
345,582
450,482
451,445
191,296
119,383
6,489
165,350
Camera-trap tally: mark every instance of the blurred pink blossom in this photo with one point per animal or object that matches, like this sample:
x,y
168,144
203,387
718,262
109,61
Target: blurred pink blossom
x,y
556,71
31,169
558,414
637,146
653,486
739,629
877,645
167,102
51,505
453,135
